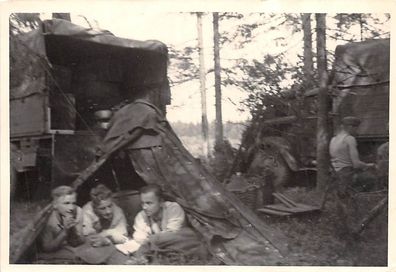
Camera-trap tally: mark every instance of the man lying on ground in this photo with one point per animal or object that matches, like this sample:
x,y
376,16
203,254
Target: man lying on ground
x,y
104,221
104,225
63,231
162,225
63,239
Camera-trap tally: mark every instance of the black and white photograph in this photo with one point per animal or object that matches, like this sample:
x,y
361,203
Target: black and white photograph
x,y
197,137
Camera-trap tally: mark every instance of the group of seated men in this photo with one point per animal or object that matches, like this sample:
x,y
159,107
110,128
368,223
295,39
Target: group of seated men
x,y
97,233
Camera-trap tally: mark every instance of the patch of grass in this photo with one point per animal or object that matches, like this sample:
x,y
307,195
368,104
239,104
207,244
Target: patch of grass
x,y
313,238
22,213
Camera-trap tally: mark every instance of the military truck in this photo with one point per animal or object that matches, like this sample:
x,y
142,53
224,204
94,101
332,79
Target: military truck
x,y
65,81
358,86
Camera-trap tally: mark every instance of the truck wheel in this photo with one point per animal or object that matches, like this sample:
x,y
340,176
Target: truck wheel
x,y
270,160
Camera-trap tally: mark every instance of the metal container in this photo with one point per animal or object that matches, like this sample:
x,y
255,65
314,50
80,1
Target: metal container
x,y
104,125
103,114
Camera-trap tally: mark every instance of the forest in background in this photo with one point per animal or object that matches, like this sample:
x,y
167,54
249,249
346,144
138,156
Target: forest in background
x,y
190,134
268,56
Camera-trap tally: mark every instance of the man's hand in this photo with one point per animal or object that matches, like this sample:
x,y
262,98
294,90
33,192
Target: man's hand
x,y
370,165
69,222
118,238
99,241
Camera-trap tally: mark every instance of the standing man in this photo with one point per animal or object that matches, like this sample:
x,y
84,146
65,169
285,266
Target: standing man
x,y
345,161
63,231
383,164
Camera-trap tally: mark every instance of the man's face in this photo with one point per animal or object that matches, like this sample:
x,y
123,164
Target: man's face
x,y
105,209
151,204
66,205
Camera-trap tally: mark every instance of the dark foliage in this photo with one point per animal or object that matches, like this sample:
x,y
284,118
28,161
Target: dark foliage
x,y
23,22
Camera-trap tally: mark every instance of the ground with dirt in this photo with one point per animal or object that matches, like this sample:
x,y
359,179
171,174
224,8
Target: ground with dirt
x,y
312,237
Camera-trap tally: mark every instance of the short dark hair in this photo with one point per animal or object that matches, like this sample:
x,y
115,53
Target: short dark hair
x,y
99,193
156,189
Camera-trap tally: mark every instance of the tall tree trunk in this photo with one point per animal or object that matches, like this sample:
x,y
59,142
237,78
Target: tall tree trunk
x,y
308,79
64,16
322,137
202,77
308,58
217,73
361,26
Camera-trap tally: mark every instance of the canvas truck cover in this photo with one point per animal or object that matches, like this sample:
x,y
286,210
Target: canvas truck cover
x,y
59,42
360,81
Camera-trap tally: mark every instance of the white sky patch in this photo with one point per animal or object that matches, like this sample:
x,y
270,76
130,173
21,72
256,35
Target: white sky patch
x,y
186,105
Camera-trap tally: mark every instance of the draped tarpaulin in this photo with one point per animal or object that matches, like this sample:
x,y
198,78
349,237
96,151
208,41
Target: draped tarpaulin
x,y
233,232
62,43
361,63
360,82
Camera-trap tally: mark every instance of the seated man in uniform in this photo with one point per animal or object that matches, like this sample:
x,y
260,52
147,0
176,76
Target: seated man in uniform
x,y
162,224
63,231
104,221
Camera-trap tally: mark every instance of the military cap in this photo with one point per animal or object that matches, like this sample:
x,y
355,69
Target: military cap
x,y
351,120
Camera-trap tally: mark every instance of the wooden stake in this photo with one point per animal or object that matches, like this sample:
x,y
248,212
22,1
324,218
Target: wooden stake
x,y
374,212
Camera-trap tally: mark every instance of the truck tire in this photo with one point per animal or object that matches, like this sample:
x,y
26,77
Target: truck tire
x,y
270,160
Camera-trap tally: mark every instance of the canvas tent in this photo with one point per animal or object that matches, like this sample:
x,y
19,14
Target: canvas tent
x,y
231,229
233,232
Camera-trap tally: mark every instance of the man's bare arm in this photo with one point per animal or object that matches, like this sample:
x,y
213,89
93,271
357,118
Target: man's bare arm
x,y
354,153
